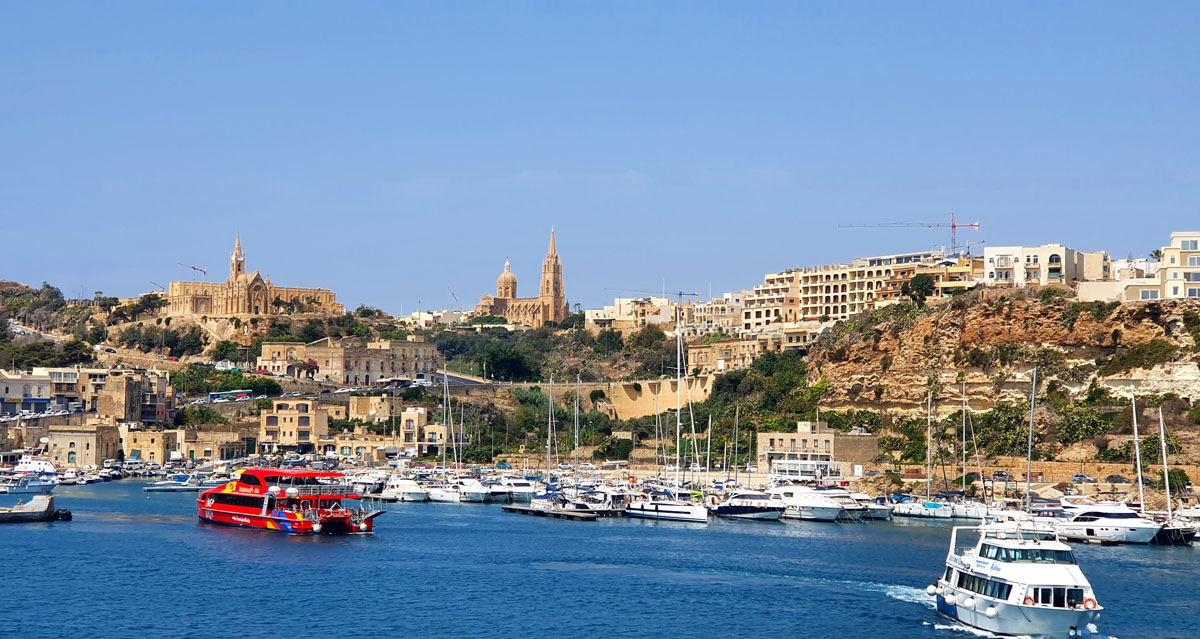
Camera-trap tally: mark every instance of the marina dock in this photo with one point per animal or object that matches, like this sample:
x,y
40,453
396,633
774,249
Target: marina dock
x,y
573,515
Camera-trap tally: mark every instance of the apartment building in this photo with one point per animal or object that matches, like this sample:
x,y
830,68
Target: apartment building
x,y
815,441
628,315
351,360
24,392
832,292
1177,273
292,425
776,300
87,444
127,395
1020,266
718,316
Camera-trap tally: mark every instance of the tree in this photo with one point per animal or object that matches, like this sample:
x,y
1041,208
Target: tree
x,y
487,319
608,341
919,288
509,365
225,349
1156,255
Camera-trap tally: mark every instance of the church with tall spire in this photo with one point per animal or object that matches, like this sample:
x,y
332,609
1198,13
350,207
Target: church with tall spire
x,y
550,305
246,294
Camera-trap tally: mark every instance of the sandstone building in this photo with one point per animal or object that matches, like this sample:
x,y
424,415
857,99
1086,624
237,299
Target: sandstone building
x,y
351,360
549,306
246,294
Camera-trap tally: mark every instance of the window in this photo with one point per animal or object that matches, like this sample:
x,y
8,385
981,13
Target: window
x,y
1189,245
303,421
1194,261
1193,292
272,420
1191,277
249,480
71,458
1149,295
72,446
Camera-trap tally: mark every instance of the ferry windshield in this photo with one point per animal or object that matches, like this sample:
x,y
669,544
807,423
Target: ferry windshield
x,y
1027,555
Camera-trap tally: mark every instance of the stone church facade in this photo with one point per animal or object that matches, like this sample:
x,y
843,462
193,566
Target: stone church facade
x,y
549,306
246,294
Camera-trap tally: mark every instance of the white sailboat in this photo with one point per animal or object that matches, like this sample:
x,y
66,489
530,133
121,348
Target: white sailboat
x,y
666,505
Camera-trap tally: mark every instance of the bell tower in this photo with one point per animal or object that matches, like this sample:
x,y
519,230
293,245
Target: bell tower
x,y
237,260
552,295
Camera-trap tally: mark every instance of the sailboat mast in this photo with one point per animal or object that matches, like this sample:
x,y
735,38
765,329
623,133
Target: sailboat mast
x,y
708,449
737,415
1162,439
549,430
678,394
1029,452
928,440
1137,453
577,432
963,443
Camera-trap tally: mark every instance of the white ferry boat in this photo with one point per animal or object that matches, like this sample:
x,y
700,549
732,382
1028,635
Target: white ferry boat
x,y
1015,579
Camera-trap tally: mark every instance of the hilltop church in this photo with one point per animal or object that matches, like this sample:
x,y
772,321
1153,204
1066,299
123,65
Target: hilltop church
x,y
549,306
246,294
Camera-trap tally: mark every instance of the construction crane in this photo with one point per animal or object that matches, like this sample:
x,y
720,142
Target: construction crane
x,y
953,226
158,286
457,306
203,271
679,294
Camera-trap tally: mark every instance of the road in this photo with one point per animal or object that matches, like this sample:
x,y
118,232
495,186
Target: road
x,y
455,380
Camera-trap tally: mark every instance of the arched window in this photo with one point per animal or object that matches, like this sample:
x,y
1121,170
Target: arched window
x,y
71,457
1055,258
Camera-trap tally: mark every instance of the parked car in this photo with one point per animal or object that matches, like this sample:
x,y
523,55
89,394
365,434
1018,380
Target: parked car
x,y
508,466
1116,479
872,473
1082,478
1146,481
584,466
1001,475
110,350
752,468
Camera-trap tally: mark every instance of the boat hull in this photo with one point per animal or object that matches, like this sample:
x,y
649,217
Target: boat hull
x,y
813,513
761,513
1012,619
1110,533
287,522
693,513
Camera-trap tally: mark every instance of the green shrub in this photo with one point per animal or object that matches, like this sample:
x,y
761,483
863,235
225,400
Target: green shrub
x,y
1142,356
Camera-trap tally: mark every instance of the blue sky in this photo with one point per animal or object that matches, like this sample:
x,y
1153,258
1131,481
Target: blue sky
x,y
393,151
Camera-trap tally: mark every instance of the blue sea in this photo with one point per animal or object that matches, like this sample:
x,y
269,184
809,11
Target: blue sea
x,y
136,564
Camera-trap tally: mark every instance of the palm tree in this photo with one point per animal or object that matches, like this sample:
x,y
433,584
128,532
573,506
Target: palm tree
x,y
1156,255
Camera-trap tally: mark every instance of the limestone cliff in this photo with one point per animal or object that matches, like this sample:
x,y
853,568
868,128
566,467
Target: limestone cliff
x,y
992,340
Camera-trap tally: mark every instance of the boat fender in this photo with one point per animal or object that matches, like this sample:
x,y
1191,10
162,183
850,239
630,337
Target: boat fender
x,y
363,527
951,599
1089,603
316,528
1030,602
931,590
969,603
62,514
991,612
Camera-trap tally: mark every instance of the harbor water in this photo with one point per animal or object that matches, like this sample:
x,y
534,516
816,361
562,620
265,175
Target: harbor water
x,y
136,564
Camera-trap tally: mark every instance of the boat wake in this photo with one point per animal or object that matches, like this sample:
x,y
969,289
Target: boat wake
x,y
917,596
972,631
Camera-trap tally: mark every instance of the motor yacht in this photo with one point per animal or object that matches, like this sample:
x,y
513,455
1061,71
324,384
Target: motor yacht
x,y
665,505
471,490
175,483
400,488
924,509
876,509
1015,578
802,502
26,484
747,504
851,509
520,489
1110,521
444,494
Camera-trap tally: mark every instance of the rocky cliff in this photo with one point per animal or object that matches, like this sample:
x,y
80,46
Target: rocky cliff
x,y
992,340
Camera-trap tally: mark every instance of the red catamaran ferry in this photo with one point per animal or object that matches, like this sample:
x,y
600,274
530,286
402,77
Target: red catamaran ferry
x,y
294,501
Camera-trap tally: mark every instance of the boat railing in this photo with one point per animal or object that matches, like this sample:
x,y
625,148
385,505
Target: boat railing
x,y
310,490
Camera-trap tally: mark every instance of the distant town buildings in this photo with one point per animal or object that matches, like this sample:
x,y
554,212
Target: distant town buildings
x,y
550,305
1174,275
351,360
1020,266
246,294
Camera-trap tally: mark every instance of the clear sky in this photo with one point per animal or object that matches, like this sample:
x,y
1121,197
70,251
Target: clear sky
x,y
392,151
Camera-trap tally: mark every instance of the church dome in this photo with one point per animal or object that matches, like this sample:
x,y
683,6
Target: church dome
x,y
507,276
